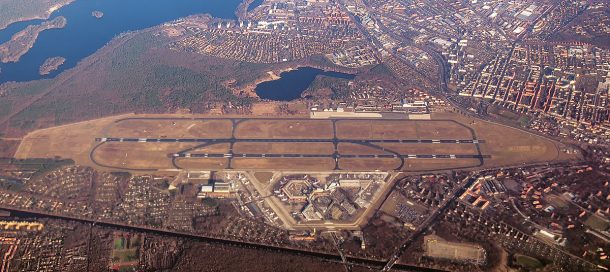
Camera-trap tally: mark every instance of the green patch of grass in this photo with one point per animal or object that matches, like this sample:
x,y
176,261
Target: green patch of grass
x,y
596,222
524,121
380,70
557,201
127,268
210,202
125,255
118,243
11,185
528,262
38,166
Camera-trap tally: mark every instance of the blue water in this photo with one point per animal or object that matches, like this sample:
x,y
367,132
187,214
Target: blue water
x,y
291,84
84,34
12,29
255,4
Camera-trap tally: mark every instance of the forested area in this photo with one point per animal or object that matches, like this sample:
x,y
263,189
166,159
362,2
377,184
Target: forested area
x,y
329,87
136,75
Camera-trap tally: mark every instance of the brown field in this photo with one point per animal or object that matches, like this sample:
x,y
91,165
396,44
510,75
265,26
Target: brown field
x,y
433,164
73,141
436,247
316,164
171,128
468,149
506,146
368,164
401,129
263,177
215,148
509,146
356,149
278,129
142,156
202,163
283,148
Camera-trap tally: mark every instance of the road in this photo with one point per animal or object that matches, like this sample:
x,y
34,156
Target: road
x,y
423,226
369,263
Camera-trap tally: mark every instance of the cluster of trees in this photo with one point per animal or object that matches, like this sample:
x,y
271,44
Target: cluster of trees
x,y
338,87
137,74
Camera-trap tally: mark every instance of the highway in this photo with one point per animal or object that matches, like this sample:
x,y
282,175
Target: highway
x,y
423,226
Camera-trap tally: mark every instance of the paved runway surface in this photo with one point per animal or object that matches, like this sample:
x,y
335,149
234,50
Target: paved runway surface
x,y
336,156
228,140
380,152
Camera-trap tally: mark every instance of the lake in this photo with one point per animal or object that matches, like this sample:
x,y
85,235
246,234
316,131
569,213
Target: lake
x,y
292,84
85,34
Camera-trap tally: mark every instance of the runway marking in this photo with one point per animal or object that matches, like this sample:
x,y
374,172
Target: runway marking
x,y
203,140
346,156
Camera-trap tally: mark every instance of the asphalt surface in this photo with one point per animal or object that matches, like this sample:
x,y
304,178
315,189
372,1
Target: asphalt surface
x,y
335,156
228,140
380,153
335,141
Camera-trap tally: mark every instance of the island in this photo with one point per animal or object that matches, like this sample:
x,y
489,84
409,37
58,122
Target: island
x,y
24,40
97,14
12,11
50,65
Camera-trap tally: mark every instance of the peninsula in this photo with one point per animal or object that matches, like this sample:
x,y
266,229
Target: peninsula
x,y
24,40
12,11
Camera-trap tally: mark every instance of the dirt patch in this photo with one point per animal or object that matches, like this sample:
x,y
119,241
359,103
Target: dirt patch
x,y
290,128
283,148
317,164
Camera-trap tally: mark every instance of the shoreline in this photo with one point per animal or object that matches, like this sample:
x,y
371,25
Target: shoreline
x,y
50,65
249,89
274,74
44,15
21,43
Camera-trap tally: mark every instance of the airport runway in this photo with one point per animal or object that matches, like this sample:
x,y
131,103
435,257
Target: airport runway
x,y
376,144
236,140
335,156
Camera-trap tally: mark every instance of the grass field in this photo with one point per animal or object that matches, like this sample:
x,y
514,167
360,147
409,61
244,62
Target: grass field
x,y
598,223
398,129
505,146
275,129
263,177
557,201
283,148
509,146
172,129
200,163
436,247
315,164
528,262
